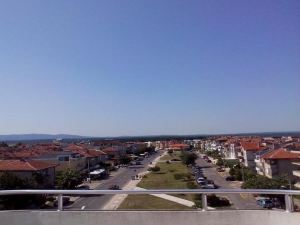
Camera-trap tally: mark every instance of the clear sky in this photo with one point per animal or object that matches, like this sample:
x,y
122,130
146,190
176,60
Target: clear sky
x,y
141,67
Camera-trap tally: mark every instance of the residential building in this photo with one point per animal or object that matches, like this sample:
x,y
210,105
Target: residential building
x,y
28,169
249,150
278,162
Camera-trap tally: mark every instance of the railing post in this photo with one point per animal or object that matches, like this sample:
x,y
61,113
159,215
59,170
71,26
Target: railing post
x,y
204,202
60,202
289,204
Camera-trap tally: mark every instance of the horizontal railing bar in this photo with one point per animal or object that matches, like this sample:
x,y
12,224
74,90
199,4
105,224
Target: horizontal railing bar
x,y
152,191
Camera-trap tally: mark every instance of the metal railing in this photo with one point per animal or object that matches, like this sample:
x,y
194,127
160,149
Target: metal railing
x,y
288,194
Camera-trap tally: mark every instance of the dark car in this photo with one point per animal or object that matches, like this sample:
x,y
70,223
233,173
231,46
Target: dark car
x,y
114,187
265,203
220,169
83,187
209,161
230,178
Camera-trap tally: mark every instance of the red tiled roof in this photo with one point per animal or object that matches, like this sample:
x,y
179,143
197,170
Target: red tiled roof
x,y
20,165
280,154
110,150
250,146
96,152
24,154
179,146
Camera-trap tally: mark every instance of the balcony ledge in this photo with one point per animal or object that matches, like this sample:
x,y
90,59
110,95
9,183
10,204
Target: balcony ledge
x,y
226,217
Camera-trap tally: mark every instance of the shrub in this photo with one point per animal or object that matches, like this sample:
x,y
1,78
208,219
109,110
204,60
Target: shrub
x,y
189,176
180,176
198,203
155,169
191,185
188,158
262,182
220,162
215,201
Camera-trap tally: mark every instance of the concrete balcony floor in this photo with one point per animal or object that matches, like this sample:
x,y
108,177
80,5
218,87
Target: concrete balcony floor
x,y
228,217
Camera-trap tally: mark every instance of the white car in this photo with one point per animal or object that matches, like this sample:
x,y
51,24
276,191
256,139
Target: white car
x,y
200,179
209,186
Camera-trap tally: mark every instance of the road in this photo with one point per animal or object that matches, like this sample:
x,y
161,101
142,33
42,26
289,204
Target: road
x,y
239,202
121,178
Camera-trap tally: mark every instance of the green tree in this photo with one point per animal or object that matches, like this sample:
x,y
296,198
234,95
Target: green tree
x,y
220,162
240,172
262,182
155,169
214,154
10,181
68,179
188,158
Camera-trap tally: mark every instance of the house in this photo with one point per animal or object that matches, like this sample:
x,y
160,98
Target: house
x,y
249,150
279,162
29,169
136,147
91,158
64,159
115,151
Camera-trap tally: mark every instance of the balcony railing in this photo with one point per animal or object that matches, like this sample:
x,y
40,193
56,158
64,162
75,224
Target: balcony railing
x,y
60,193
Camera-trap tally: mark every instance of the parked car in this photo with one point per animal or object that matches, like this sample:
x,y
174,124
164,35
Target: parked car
x,y
265,203
202,183
114,187
210,182
200,179
209,161
230,178
83,187
220,169
209,186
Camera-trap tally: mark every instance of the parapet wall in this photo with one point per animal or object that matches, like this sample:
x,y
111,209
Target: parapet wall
x,y
228,217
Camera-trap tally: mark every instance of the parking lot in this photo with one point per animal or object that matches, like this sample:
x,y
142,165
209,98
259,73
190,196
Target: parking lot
x,y
210,178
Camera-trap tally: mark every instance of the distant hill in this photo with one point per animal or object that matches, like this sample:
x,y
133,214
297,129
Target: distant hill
x,y
26,137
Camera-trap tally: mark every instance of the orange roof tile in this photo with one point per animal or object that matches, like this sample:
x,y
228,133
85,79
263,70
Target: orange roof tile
x,y
250,146
281,154
20,165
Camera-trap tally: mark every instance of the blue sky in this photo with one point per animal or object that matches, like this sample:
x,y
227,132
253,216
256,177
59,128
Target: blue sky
x,y
110,68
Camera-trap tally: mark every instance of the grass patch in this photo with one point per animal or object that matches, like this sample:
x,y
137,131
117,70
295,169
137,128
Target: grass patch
x,y
165,179
174,155
148,202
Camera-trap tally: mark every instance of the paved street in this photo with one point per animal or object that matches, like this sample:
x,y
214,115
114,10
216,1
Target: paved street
x,y
121,178
239,202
